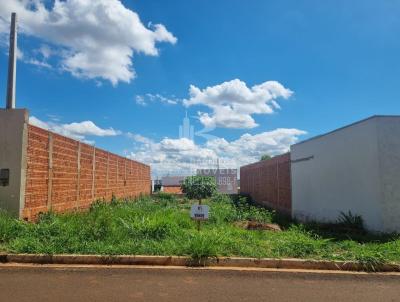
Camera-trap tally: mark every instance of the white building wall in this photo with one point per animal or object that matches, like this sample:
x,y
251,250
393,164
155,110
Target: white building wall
x,y
344,173
389,163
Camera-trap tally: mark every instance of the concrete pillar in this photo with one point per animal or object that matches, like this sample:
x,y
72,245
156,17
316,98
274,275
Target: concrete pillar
x,y
12,63
13,156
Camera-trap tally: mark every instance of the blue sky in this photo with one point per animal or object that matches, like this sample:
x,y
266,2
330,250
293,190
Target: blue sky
x,y
339,60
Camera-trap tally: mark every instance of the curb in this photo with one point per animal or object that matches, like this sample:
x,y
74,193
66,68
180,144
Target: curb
x,y
187,261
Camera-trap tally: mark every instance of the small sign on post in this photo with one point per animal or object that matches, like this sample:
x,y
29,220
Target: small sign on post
x,y
199,212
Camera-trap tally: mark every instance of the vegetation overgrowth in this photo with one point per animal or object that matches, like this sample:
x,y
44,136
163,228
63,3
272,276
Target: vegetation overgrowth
x,y
160,225
199,187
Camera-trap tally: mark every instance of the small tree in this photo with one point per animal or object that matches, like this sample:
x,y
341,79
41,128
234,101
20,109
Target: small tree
x,y
266,157
199,187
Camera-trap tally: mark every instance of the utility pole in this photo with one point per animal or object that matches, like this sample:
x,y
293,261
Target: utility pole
x,y
12,63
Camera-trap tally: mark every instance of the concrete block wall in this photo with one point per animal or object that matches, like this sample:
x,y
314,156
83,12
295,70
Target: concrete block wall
x,y
268,183
64,174
13,139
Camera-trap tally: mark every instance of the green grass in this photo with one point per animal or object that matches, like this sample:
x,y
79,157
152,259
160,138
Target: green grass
x,y
161,226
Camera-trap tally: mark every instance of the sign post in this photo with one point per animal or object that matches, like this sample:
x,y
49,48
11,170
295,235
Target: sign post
x,y
199,212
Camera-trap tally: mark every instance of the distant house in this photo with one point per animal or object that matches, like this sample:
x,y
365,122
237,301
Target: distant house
x,y
172,184
226,179
156,185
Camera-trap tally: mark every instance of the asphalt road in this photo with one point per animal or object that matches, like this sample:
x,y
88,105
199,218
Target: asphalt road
x,y
59,284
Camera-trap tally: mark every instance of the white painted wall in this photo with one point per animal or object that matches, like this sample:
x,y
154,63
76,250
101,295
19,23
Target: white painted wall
x,y
354,168
389,164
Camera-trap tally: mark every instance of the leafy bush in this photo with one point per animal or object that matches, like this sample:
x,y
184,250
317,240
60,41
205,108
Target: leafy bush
x,y
199,187
247,211
222,209
266,157
225,209
220,198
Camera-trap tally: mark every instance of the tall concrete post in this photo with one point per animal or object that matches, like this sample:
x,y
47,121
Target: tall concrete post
x,y
12,63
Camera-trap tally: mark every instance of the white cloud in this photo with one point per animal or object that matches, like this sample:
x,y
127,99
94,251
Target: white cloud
x,y
88,128
36,122
139,138
140,100
233,103
250,148
38,63
77,131
147,98
45,51
93,39
182,156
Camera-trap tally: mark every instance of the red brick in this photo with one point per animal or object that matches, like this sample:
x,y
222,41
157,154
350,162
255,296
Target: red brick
x,y
268,182
126,178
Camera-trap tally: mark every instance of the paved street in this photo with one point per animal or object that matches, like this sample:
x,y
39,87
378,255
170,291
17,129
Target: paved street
x,y
61,284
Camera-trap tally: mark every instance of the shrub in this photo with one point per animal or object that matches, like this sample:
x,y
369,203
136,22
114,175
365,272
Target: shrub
x,y
199,187
222,209
162,196
220,198
348,220
247,211
266,157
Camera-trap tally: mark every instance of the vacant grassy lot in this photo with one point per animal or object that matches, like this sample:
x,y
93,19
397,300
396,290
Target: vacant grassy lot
x,y
161,226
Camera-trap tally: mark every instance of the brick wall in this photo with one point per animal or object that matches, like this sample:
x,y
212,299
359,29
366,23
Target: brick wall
x,y
268,183
64,174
